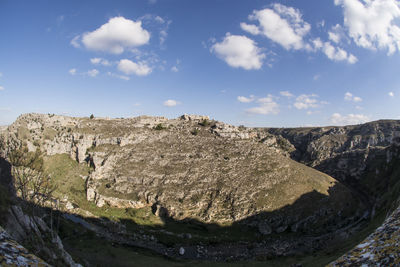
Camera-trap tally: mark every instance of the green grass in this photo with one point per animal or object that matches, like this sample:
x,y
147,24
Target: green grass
x,y
65,174
87,247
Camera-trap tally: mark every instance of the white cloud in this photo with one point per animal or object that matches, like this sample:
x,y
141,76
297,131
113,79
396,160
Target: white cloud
x,y
283,25
171,103
253,29
318,44
116,35
122,77
1,74
93,73
373,24
336,34
159,19
391,94
316,77
1,88
72,71
98,60
266,106
337,53
129,67
75,41
238,51
244,99
176,67
307,101
163,36
350,97
286,93
338,119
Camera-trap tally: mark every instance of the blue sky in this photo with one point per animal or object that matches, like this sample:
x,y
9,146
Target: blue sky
x,y
256,63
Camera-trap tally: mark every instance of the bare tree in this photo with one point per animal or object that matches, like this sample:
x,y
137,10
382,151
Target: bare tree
x,y
31,184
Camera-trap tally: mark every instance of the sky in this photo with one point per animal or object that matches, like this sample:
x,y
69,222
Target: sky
x,y
254,63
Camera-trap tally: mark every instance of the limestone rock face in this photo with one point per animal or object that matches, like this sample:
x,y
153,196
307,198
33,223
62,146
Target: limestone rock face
x,y
348,153
381,248
193,168
199,169
21,228
13,254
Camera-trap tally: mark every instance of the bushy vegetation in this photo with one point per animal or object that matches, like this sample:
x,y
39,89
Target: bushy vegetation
x,y
159,127
205,123
195,131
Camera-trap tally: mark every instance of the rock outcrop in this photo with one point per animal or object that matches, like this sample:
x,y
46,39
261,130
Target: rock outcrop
x,y
324,182
194,168
13,254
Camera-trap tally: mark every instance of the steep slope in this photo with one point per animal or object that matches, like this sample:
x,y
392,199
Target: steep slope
x,y
186,169
13,254
194,188
352,154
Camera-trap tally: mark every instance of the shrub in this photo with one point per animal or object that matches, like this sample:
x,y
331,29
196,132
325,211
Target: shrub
x,y
204,123
195,131
159,127
92,117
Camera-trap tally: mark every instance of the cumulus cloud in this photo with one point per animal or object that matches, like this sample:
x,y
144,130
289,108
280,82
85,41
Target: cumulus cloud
x,y
1,74
101,61
72,71
129,67
350,97
115,36
338,54
286,94
171,103
372,24
336,34
281,24
284,25
239,51
174,69
244,99
253,29
92,73
266,106
1,88
391,94
338,119
307,101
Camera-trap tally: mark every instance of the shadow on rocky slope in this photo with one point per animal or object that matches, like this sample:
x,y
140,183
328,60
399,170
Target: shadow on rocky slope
x,y
365,158
291,230
259,237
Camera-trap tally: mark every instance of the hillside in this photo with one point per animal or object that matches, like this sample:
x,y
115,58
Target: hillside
x,y
195,188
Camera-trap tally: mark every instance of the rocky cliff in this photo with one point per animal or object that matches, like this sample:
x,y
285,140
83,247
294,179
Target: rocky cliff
x,y
291,191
